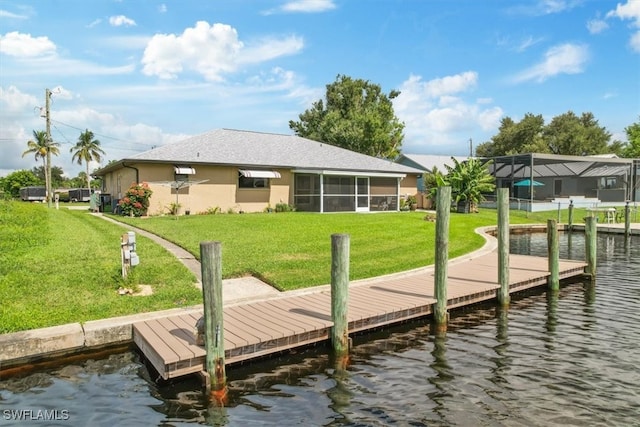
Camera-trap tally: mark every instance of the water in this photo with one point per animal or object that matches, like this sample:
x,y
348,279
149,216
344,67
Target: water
x,y
568,359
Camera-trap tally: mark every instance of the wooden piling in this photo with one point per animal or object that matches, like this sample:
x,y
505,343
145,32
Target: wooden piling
x,y
503,246
340,294
570,221
627,220
591,235
211,267
443,208
553,254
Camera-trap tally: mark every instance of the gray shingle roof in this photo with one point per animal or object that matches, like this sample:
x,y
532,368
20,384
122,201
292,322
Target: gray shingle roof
x,y
429,161
256,149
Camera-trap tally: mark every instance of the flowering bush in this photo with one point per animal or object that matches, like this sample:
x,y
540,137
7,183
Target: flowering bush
x,y
136,200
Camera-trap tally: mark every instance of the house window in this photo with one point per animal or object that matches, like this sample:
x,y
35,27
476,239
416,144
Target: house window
x,y
248,182
609,183
256,178
182,178
182,173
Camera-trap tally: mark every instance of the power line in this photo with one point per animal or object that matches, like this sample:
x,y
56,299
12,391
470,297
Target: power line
x,y
101,135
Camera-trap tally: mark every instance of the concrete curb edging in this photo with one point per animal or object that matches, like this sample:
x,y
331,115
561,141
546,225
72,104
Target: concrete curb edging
x,y
63,340
24,346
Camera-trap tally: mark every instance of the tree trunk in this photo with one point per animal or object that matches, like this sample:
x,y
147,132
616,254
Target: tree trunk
x,y
88,179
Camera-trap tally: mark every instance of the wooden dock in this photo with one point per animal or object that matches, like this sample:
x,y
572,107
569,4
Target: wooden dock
x,y
260,328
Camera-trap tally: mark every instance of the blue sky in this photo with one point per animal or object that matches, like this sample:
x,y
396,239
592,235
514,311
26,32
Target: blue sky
x,y
142,73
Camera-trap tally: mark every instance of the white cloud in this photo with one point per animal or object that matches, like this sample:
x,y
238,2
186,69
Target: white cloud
x,y
210,50
302,6
121,20
14,101
437,114
11,15
95,23
451,84
631,11
20,115
308,6
596,26
544,7
268,49
555,6
24,45
162,8
562,59
56,66
527,43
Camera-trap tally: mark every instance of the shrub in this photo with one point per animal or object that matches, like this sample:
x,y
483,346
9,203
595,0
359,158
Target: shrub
x,y
173,208
283,207
211,211
136,200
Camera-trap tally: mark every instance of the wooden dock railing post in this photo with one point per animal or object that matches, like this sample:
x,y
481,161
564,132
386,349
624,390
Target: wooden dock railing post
x,y
627,220
570,221
443,210
503,246
553,253
211,261
340,294
591,239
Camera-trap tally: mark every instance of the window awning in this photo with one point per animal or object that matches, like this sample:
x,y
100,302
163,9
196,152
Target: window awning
x,y
183,170
259,174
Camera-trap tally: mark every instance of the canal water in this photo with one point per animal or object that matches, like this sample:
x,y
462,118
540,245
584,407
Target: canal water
x,y
567,359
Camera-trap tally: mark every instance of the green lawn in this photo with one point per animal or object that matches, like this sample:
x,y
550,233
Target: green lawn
x,y
61,266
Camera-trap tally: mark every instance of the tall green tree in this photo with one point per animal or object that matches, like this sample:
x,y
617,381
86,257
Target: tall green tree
x,y
57,175
355,115
12,183
516,137
42,148
86,150
632,147
566,134
569,134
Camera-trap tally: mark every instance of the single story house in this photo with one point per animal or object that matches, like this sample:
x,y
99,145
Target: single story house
x,y
252,171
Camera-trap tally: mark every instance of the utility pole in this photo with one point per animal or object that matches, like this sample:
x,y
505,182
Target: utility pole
x,y
470,147
47,172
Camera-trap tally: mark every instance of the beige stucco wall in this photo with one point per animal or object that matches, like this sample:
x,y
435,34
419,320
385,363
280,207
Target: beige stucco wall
x,y
219,189
409,185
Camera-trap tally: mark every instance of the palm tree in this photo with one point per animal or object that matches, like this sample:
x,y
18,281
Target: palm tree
x,y
86,150
43,148
469,181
